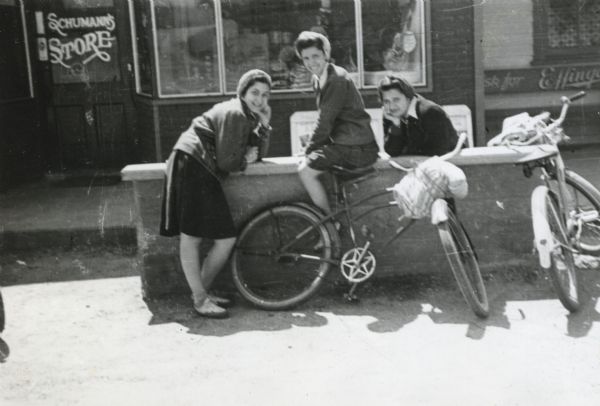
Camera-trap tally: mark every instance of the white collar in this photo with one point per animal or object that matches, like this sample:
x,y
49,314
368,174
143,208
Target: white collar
x,y
323,77
412,108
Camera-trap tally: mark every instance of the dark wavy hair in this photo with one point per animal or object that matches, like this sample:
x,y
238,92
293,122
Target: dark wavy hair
x,y
308,39
395,82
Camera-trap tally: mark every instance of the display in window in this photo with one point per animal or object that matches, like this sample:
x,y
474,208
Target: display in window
x,y
393,40
261,34
187,47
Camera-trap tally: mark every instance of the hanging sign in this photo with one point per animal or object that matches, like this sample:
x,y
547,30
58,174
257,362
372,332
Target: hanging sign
x,y
82,48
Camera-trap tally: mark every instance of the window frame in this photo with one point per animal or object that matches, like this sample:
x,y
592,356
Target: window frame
x,y
20,4
426,65
134,48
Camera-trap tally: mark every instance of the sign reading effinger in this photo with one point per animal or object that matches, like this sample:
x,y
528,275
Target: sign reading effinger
x,y
547,78
76,41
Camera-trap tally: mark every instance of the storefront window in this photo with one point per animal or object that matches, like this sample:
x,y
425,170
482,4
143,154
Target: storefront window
x,y
194,48
261,34
14,60
567,30
82,41
574,24
187,47
394,40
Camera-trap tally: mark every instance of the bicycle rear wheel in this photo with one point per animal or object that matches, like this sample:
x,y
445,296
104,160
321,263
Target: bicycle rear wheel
x,y
585,199
464,265
281,257
563,273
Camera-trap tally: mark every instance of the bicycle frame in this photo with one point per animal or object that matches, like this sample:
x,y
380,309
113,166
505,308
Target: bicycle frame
x,y
342,197
346,211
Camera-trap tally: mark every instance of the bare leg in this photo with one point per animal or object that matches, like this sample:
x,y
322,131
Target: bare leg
x,y
201,275
310,179
215,260
189,254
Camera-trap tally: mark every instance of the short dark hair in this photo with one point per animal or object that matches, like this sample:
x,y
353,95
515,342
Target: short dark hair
x,y
394,82
308,39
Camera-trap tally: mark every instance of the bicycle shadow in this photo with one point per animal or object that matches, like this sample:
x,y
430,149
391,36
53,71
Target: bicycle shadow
x,y
388,305
580,323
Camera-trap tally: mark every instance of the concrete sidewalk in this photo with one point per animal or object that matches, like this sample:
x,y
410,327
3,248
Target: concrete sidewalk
x,y
410,341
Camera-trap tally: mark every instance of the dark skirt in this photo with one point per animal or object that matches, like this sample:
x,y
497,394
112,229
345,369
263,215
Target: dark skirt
x,y
193,201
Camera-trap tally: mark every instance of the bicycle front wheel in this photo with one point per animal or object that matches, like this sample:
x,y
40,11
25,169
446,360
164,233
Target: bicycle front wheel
x,y
464,265
585,205
563,274
281,257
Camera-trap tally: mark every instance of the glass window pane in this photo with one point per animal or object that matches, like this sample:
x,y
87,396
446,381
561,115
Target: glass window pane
x,y
394,40
143,43
187,47
573,24
261,34
83,44
14,69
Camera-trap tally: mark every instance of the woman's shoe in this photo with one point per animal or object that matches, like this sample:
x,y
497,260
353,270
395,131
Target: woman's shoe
x,y
220,301
207,308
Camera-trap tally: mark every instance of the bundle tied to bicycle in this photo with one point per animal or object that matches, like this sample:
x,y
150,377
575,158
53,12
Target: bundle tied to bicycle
x,y
431,180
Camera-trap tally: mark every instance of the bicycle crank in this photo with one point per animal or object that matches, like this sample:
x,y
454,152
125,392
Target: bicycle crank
x,y
358,264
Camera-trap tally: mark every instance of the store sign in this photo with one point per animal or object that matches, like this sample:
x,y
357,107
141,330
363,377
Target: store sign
x,y
92,40
549,78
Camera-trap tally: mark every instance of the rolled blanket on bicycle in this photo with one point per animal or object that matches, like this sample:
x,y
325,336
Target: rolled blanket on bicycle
x,y
432,179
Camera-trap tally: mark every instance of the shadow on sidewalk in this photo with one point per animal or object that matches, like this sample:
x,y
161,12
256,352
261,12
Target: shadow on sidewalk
x,y
389,304
19,268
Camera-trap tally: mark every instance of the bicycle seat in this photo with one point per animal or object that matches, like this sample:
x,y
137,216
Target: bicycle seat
x,y
358,174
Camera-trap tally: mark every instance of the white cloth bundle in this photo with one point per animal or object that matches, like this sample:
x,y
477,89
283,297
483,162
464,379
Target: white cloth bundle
x,y
432,179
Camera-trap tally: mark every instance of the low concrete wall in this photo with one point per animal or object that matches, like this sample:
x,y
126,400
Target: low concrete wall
x,y
495,213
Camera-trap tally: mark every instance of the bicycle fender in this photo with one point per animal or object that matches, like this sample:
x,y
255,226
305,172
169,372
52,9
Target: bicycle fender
x,y
543,239
439,211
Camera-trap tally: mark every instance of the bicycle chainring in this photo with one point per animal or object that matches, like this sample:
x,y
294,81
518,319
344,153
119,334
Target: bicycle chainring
x,y
357,265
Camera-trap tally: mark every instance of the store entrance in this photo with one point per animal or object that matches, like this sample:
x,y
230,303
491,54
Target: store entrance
x,y
84,51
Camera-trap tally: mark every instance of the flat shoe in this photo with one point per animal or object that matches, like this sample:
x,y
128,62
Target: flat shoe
x,y
208,308
220,301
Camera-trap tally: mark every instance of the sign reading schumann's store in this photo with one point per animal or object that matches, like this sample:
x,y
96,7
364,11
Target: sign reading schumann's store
x,y
82,48
548,78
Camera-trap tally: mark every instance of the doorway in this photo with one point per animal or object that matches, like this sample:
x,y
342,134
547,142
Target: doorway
x,y
86,61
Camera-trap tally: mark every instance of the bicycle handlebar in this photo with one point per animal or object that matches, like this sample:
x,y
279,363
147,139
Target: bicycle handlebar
x,y
545,129
577,96
566,101
461,141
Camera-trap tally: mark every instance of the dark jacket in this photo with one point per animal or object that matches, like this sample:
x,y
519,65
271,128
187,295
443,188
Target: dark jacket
x,y
342,116
431,134
218,138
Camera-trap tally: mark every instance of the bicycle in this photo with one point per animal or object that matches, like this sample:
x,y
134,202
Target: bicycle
x,y
284,253
565,209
